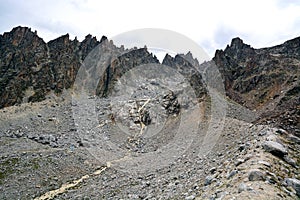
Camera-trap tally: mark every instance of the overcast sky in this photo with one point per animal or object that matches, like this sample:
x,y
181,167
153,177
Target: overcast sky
x,y
212,24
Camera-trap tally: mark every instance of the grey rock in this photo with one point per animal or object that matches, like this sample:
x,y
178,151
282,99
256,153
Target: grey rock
x,y
273,138
281,131
275,148
294,183
294,139
213,170
290,161
212,197
170,103
191,197
242,187
19,134
220,194
231,174
271,178
265,163
242,147
239,161
262,133
208,180
256,175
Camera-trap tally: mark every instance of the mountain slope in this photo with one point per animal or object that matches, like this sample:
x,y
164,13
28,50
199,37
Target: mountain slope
x,y
266,80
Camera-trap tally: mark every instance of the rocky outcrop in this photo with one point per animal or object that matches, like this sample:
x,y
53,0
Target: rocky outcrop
x,y
187,66
120,66
266,80
31,68
23,55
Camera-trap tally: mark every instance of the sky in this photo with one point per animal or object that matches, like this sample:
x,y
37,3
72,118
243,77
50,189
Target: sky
x,y
211,24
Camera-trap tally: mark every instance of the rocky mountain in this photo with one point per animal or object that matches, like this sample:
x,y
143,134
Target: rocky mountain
x,y
146,132
266,80
31,68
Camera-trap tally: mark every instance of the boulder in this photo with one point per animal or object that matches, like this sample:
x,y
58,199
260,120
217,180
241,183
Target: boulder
x,y
294,183
256,175
275,148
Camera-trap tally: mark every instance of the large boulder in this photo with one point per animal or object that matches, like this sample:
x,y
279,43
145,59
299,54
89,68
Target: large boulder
x,y
275,148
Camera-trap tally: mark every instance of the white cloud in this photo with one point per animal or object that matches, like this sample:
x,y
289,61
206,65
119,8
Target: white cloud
x,y
210,23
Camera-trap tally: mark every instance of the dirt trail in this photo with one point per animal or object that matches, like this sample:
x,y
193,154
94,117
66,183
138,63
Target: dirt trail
x,y
52,193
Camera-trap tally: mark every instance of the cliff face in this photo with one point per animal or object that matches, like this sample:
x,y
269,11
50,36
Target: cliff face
x,y
186,65
266,80
31,68
120,66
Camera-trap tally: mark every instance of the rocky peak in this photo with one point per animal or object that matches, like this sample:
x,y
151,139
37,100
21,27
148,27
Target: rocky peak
x,y
61,41
90,40
187,66
88,44
189,55
182,59
246,161
103,39
237,43
167,60
20,36
261,78
238,49
31,68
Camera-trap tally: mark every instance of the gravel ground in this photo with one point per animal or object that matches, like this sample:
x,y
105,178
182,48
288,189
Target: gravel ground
x,y
42,150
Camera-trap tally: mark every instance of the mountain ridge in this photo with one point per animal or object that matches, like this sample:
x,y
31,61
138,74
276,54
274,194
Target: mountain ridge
x,y
32,68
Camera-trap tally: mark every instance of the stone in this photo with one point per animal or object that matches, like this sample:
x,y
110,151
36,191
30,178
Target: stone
x,y
256,175
262,133
275,148
273,138
213,170
294,139
265,163
281,131
242,187
294,183
191,197
239,161
170,103
220,194
231,174
242,147
208,180
290,161
145,117
271,178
